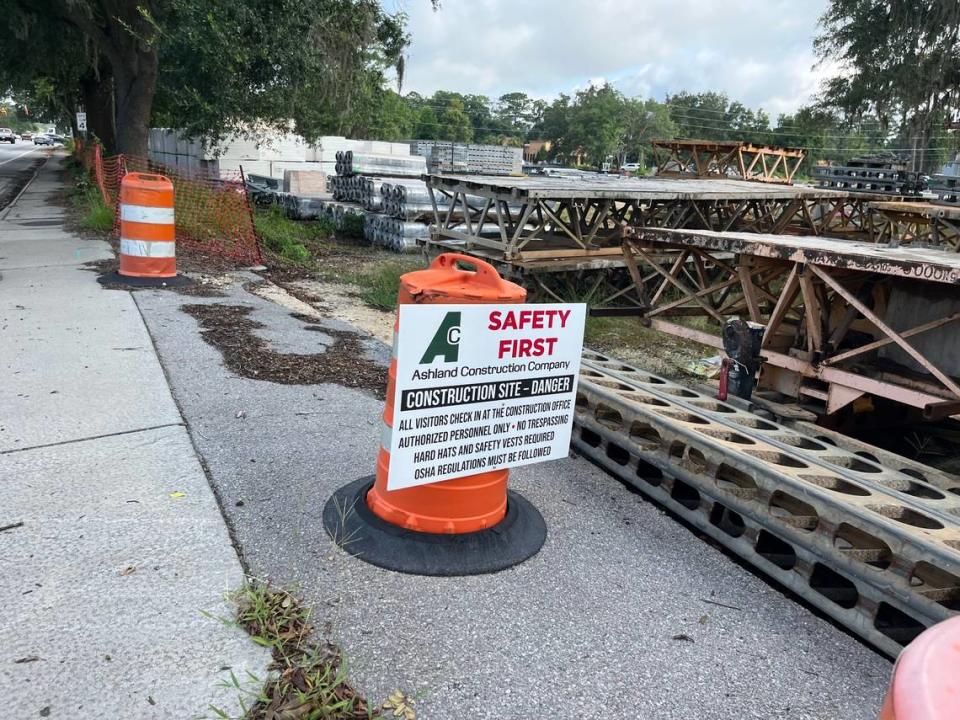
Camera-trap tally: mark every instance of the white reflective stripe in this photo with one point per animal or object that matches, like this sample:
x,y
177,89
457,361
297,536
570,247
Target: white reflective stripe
x,y
147,248
386,437
146,214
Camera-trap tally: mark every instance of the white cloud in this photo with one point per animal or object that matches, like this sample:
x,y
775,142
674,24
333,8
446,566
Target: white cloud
x,y
757,51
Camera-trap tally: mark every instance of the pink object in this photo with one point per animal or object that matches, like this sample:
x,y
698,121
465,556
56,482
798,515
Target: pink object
x,y
926,677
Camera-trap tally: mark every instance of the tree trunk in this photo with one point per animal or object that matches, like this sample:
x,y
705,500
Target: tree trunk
x,y
135,83
97,94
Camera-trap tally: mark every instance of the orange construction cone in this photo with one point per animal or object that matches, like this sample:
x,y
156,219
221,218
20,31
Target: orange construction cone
x,y
464,526
148,256
926,677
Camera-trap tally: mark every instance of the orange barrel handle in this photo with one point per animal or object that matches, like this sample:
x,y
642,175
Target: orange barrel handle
x,y
466,504
485,273
147,229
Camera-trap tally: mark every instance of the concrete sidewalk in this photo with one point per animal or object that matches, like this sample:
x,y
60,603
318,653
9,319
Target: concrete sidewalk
x,y
113,543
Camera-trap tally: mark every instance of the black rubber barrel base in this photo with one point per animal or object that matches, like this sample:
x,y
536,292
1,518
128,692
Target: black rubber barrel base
x,y
116,278
353,526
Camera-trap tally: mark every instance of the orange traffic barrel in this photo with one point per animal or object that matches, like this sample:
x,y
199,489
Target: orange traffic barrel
x,y
926,677
468,525
148,247
147,231
466,504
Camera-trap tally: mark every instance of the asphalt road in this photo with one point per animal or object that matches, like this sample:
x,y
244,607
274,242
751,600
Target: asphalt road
x,y
14,160
624,613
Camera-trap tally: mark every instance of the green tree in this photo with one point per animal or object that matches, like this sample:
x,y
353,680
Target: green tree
x,y
477,108
597,123
209,67
901,64
427,127
554,125
455,123
514,111
701,115
644,120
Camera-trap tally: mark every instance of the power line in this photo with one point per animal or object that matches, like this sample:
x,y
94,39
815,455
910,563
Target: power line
x,y
779,130
871,148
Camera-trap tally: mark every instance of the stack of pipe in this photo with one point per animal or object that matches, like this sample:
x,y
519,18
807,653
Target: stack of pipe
x,y
351,163
409,200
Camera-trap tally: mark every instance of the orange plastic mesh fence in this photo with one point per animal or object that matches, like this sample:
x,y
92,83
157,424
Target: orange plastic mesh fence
x,y
212,213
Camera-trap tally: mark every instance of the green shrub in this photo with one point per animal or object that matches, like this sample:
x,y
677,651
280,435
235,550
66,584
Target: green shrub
x,y
352,226
378,284
289,238
95,214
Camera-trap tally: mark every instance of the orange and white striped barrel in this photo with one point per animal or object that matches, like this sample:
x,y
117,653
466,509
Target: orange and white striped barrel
x,y
147,230
465,504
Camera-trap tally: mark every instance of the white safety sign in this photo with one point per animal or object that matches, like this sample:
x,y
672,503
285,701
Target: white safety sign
x,y
81,121
482,387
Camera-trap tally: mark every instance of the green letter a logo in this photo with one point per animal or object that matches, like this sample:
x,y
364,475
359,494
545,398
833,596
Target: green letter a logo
x,y
446,341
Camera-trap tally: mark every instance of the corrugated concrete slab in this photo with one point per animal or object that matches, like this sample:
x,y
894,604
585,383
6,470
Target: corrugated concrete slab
x,y
625,613
106,582
78,361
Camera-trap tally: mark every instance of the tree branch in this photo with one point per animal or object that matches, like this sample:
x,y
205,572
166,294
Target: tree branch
x,y
87,26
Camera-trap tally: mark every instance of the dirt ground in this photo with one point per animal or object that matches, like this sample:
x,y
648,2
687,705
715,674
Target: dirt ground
x,y
342,301
334,290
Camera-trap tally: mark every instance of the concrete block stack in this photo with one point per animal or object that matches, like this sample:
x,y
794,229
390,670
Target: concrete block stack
x,y
456,157
266,153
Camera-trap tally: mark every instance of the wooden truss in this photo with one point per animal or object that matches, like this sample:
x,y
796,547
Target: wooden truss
x,y
539,227
825,308
600,280
916,223
734,159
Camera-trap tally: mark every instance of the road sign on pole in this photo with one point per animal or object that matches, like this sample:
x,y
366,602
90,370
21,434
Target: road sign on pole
x,y
82,121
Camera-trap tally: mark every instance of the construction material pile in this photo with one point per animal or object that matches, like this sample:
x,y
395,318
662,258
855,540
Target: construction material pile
x,y
392,233
947,184
382,194
458,157
352,163
876,174
834,524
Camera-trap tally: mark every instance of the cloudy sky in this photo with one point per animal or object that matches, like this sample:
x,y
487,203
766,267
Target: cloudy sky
x,y
757,51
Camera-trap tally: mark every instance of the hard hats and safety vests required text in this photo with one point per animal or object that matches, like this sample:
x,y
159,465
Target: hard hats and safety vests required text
x,y
482,387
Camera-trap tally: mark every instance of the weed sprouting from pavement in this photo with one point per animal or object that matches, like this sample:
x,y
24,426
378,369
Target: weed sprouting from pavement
x,y
307,680
341,538
95,214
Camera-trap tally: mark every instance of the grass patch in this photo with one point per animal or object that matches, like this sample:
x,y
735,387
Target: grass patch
x,y
296,241
660,353
308,681
379,283
352,226
93,212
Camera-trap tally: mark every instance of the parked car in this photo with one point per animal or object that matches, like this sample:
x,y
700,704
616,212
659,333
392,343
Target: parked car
x,y
42,140
630,167
7,135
